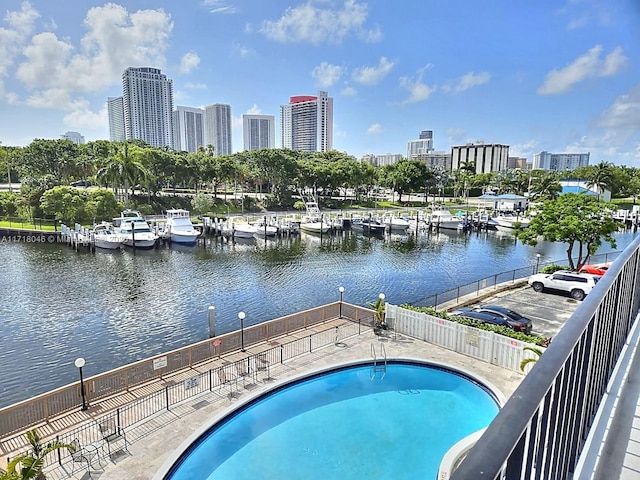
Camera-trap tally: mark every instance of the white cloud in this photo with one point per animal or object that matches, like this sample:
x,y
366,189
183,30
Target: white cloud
x,y
526,150
241,50
327,75
195,86
585,66
349,92
255,110
418,91
218,6
308,23
373,75
467,81
84,118
624,113
189,61
456,135
374,129
20,24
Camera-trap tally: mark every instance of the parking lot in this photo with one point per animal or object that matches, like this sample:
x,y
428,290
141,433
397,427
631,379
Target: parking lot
x,y
548,311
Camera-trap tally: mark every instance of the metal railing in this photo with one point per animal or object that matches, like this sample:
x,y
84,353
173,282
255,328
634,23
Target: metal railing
x,y
43,407
228,379
499,279
541,430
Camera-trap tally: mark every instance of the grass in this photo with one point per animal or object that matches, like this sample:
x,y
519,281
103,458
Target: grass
x,y
26,225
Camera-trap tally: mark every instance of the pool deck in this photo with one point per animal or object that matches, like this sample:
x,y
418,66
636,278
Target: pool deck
x,y
153,441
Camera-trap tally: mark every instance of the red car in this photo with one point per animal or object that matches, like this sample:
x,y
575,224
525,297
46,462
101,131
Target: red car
x,y
598,269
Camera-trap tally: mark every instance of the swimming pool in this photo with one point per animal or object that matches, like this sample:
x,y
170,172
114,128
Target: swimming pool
x,y
352,422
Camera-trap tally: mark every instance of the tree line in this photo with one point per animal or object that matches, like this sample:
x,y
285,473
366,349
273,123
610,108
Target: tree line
x,y
278,174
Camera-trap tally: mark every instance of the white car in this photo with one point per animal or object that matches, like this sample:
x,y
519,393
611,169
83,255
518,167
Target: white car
x,y
578,285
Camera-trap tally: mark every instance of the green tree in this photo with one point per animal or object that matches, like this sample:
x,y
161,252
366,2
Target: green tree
x,y
579,220
601,178
29,465
66,204
102,205
545,185
527,361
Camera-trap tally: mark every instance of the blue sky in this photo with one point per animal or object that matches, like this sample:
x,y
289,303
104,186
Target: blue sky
x,y
555,75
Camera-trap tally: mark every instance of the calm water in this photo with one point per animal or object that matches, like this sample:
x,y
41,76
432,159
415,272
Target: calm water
x,y
115,308
336,426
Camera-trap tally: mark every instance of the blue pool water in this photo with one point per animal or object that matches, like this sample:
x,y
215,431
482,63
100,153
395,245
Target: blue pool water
x,y
344,424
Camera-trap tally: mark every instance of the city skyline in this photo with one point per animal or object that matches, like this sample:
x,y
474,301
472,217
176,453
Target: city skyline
x,y
562,77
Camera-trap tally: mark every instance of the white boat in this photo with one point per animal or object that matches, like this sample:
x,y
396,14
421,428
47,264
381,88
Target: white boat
x,y
134,228
508,221
395,224
445,220
179,229
368,225
240,230
263,229
104,236
313,222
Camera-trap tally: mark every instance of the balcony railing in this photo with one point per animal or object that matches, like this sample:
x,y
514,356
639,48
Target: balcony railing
x,y
542,429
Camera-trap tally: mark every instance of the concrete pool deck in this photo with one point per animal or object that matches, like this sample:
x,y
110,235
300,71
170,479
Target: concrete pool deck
x,y
155,440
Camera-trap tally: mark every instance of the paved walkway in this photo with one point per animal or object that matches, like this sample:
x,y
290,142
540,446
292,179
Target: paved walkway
x,y
155,439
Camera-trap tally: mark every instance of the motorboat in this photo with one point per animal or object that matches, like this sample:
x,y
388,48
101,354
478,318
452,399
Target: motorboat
x,y
395,224
443,219
508,221
104,236
178,227
313,222
134,230
264,229
368,225
239,230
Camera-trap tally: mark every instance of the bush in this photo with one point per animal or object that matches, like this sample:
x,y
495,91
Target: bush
x,y
554,268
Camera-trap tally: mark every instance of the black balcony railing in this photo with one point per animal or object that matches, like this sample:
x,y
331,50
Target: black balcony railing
x,y
541,430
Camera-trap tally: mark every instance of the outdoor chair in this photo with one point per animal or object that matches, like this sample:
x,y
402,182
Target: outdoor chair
x,y
78,456
227,379
244,370
113,436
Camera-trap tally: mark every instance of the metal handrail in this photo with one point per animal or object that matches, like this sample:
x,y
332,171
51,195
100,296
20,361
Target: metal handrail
x,y
541,430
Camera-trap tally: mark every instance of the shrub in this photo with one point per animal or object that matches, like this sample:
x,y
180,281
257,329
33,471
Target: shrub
x,y
554,268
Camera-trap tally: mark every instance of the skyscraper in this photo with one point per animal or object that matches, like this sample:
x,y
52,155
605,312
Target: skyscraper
x,y
188,129
306,123
218,128
75,137
258,131
418,149
115,108
147,97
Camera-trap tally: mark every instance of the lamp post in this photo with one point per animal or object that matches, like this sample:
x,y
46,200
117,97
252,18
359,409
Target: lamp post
x,y
241,316
341,289
80,363
537,262
381,297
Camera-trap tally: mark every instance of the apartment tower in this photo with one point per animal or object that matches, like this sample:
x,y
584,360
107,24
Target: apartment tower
x,y
115,108
258,131
188,129
218,128
147,97
306,123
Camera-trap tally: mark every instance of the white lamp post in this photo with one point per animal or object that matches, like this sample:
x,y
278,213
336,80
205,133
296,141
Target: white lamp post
x,y
80,363
341,290
241,316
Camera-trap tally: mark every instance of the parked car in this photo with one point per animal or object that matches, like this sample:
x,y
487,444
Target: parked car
x,y
80,183
596,269
578,285
496,315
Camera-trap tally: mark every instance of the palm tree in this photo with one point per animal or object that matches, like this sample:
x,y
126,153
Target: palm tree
x,y
527,361
601,177
546,186
29,465
123,169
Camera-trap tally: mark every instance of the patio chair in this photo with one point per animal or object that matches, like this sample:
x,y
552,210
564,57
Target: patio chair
x,y
113,436
244,370
78,457
228,380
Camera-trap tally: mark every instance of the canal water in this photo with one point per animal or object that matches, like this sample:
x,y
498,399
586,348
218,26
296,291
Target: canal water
x,y
115,308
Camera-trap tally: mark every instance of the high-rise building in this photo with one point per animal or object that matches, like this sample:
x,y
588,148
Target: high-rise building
x,y
417,149
115,108
306,123
75,137
560,161
188,129
258,131
487,158
147,97
217,130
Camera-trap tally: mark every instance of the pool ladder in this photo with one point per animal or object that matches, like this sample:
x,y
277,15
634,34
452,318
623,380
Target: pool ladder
x,y
379,365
